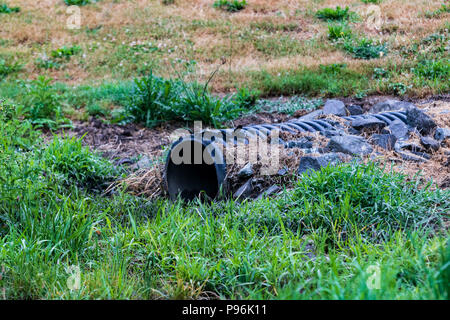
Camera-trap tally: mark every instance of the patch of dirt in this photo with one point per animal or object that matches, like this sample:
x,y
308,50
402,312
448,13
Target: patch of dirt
x,y
436,168
124,144
439,111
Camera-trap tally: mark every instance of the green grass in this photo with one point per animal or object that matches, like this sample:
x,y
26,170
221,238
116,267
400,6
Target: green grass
x,y
155,100
8,68
433,69
320,240
78,2
230,6
73,163
4,8
372,1
310,82
338,31
150,100
338,14
279,46
445,8
65,52
42,104
365,48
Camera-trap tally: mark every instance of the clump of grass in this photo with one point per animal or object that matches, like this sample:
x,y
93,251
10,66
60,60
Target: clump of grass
x,y
334,68
42,104
15,133
230,5
201,105
77,2
57,57
433,69
152,100
246,98
155,100
70,162
47,63
372,1
97,110
398,88
65,52
4,8
380,73
330,14
339,31
7,68
365,48
445,8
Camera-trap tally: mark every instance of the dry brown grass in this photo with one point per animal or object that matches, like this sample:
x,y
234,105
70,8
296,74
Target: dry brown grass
x,y
40,27
145,182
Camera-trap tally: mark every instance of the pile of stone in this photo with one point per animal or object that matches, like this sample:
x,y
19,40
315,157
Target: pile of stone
x,y
414,141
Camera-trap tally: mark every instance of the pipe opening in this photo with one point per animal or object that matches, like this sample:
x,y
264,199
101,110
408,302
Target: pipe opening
x,y
189,178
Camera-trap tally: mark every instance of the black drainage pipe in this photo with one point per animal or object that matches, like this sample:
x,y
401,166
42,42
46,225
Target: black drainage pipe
x,y
186,175
195,164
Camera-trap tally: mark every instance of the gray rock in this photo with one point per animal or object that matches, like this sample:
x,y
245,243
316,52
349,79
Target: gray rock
x,y
400,145
411,152
408,156
246,171
282,172
311,116
390,105
418,119
399,129
331,133
123,161
353,131
245,190
429,143
303,143
144,163
350,144
386,141
369,123
335,107
442,134
355,110
271,190
309,163
447,163
313,150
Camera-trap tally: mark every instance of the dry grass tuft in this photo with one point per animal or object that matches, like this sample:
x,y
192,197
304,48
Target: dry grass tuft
x,y
145,182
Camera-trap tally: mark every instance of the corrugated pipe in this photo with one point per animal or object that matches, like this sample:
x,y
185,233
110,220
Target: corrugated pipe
x,y
204,169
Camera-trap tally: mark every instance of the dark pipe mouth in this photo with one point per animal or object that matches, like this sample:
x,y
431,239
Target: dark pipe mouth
x,y
189,173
